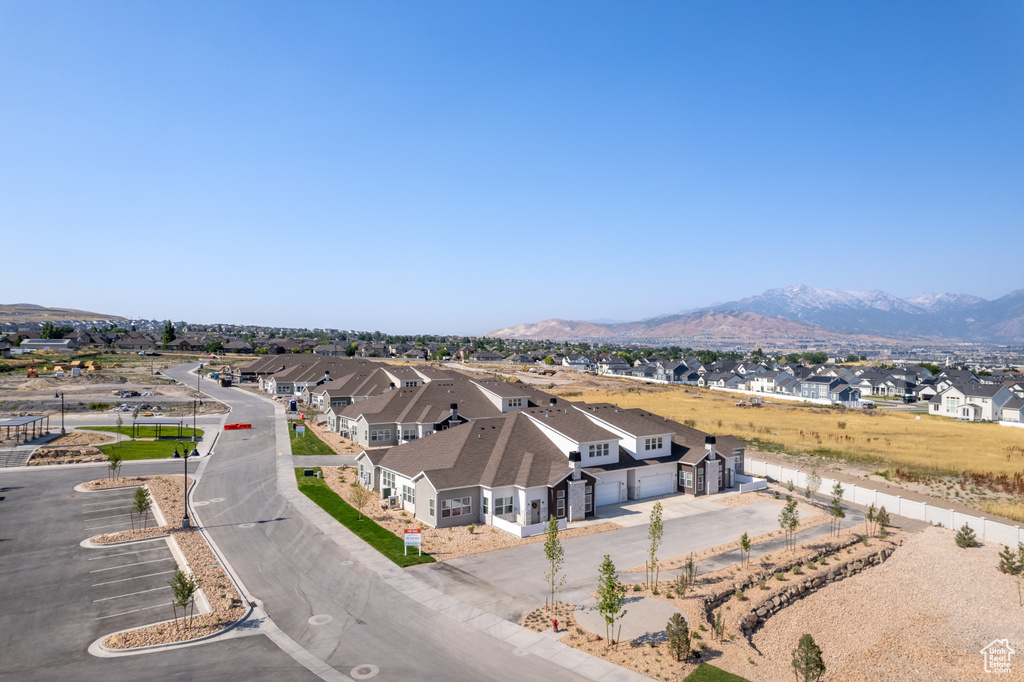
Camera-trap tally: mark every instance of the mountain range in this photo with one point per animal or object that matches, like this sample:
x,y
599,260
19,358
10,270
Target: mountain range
x,y
800,311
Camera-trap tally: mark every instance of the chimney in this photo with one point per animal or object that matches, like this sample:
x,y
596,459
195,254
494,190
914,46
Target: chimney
x,y
553,402
576,461
391,386
454,407
709,443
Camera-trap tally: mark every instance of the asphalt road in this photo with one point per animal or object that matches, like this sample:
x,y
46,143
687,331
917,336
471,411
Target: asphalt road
x,y
284,561
58,597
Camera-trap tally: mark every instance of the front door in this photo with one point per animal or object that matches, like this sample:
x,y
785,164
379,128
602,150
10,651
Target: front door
x,y
535,511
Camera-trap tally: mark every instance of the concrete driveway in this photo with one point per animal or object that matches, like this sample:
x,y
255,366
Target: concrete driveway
x,y
638,512
509,582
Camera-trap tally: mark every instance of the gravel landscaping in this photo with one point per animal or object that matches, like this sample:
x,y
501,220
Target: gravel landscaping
x,y
225,602
443,543
74,448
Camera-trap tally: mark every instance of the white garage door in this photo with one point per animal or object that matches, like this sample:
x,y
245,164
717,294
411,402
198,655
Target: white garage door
x,y
607,493
651,486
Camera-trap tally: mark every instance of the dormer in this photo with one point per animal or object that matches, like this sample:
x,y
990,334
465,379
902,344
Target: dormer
x,y
505,397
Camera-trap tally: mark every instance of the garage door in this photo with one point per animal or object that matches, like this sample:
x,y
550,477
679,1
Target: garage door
x,y
651,486
607,493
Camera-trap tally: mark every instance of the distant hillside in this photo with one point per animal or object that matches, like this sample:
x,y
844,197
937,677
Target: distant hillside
x,y
728,324
27,312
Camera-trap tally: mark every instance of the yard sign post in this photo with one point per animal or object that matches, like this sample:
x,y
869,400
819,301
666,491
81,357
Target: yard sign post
x,y
413,538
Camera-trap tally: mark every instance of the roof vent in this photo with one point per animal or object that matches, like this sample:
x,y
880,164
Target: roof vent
x,y
553,402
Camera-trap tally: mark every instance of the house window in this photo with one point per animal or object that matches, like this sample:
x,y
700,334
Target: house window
x,y
560,504
380,435
700,480
599,450
409,384
502,506
409,434
483,503
427,433
686,479
515,402
459,506
589,499
387,480
409,494
653,443
430,507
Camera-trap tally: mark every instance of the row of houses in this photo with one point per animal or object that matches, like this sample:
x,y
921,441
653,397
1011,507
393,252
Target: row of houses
x,y
458,450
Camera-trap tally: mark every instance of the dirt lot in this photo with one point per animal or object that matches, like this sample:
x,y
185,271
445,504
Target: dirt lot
x,y
96,391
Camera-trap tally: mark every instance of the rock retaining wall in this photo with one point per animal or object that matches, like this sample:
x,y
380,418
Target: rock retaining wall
x,y
764,610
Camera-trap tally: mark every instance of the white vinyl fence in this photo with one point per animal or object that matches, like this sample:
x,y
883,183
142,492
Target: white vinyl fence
x,y
523,531
894,504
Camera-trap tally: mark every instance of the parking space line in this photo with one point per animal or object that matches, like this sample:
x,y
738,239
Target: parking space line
x,y
144,608
151,561
111,500
108,556
109,525
98,511
113,516
132,594
148,575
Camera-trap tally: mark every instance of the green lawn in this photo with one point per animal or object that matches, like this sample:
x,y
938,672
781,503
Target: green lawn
x,y
381,539
308,444
147,431
145,449
706,672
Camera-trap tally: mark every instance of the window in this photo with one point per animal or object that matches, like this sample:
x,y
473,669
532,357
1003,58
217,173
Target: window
x,y
560,504
502,505
460,506
409,384
589,500
380,435
515,402
483,504
430,509
387,479
952,403
653,443
598,450
700,480
409,494
427,433
686,479
409,434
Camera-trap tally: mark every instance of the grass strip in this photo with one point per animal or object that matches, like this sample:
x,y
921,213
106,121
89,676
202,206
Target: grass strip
x,y
381,539
706,672
144,449
166,432
309,443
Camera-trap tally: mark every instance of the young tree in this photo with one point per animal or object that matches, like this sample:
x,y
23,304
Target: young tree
x,y
360,496
965,537
808,665
555,554
869,520
882,521
718,627
655,531
813,484
183,587
141,505
744,550
678,631
837,506
120,423
687,576
788,521
611,595
114,460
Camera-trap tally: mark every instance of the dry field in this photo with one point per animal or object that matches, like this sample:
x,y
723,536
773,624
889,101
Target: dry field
x,y
929,444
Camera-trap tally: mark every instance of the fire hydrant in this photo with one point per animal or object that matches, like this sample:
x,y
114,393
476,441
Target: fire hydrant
x,y
554,624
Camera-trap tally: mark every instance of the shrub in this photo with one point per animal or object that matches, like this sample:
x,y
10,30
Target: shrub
x,y
796,570
471,528
965,537
739,595
636,588
779,575
763,584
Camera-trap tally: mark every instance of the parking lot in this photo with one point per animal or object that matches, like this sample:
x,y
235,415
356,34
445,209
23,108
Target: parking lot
x,y
127,584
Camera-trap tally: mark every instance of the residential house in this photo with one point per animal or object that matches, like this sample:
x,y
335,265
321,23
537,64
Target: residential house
x,y
48,344
971,402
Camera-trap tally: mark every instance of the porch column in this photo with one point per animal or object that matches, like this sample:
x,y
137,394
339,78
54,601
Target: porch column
x,y
577,500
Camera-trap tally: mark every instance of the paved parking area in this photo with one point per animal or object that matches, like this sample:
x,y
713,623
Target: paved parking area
x,y
128,583
638,512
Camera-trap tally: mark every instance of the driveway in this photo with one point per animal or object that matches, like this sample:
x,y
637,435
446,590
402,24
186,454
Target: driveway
x,y
510,582
638,512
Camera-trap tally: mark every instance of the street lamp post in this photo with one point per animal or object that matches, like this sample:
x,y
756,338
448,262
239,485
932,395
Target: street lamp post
x,y
195,403
60,394
185,523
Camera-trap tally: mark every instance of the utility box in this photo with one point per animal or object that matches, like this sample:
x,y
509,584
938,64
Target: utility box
x,y
308,472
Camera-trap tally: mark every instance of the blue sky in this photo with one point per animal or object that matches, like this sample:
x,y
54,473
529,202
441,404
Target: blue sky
x,y
459,167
